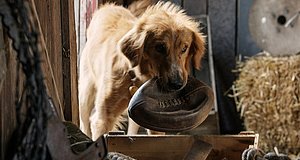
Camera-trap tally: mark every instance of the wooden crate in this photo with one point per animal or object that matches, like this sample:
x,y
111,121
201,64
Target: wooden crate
x,y
172,147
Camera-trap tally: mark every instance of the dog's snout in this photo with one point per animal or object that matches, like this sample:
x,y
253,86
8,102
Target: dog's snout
x,y
176,84
176,81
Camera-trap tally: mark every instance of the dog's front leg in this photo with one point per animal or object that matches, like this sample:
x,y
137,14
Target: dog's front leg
x,y
101,120
86,103
107,112
100,124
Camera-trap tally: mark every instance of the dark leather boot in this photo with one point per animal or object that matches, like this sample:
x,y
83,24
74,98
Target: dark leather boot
x,y
175,111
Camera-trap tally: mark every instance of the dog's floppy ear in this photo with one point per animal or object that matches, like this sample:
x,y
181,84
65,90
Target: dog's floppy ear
x,y
132,44
197,49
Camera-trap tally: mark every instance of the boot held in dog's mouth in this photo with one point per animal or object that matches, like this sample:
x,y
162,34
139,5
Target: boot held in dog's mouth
x,y
173,111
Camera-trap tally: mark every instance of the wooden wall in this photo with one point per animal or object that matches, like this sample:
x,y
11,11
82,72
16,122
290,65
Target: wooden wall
x,y
57,24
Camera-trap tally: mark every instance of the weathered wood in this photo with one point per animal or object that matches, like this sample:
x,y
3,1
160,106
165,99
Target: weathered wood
x,y
73,66
195,7
7,96
49,17
69,59
175,147
3,67
228,146
58,47
66,52
222,16
151,147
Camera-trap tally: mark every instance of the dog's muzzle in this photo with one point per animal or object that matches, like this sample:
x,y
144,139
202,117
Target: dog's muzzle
x,y
174,111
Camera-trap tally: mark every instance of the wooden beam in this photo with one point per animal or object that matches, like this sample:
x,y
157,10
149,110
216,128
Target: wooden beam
x,y
49,17
69,59
73,66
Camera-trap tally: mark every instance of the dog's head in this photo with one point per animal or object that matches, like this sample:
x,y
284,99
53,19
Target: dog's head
x,y
163,42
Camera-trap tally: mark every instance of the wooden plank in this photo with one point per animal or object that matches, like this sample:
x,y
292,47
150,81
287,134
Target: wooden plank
x,y
73,65
3,67
69,59
66,52
151,147
195,7
222,16
228,146
49,17
7,95
175,147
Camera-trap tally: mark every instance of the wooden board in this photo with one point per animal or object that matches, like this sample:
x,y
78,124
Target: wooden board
x,y
58,27
69,58
61,46
49,15
195,7
175,147
229,146
223,21
3,63
7,94
152,147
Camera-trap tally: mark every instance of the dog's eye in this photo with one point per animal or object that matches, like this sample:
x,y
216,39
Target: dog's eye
x,y
161,48
184,49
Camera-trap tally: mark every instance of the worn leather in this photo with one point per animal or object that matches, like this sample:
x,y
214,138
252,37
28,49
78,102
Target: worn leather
x,y
167,111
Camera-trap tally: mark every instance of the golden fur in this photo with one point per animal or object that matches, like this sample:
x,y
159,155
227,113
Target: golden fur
x,y
161,42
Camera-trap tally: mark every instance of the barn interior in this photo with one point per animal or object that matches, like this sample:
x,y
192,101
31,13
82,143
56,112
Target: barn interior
x,y
251,65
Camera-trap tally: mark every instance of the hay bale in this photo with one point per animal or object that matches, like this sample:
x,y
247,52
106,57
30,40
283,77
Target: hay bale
x,y
267,94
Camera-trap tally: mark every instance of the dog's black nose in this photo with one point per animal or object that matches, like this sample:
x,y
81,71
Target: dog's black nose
x,y
175,84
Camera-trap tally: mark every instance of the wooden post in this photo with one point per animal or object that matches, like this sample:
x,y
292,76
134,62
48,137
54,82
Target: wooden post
x,y
69,58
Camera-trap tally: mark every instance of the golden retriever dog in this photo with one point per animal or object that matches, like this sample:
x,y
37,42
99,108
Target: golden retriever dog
x,y
123,50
